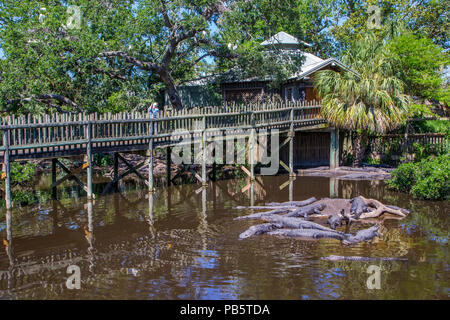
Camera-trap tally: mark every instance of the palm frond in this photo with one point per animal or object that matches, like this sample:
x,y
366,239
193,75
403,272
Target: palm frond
x,y
372,102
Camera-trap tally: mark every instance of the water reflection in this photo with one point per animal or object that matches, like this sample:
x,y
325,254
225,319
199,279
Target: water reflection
x,y
181,242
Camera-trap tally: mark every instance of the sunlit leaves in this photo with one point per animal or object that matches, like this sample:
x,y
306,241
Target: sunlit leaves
x,y
373,100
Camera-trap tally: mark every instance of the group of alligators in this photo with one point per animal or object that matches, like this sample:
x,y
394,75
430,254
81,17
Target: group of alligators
x,y
358,207
289,219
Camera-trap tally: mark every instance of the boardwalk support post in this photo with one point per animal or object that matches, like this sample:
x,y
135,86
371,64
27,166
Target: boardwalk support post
x,y
204,153
54,190
168,160
116,169
89,160
151,186
334,148
291,144
252,147
7,170
291,188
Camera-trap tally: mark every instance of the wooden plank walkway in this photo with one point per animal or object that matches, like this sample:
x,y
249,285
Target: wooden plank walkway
x,y
65,135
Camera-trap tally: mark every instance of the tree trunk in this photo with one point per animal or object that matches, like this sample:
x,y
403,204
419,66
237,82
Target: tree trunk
x,y
359,150
174,97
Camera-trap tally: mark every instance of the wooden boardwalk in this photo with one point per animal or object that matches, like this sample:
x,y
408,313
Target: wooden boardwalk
x,y
67,135
60,135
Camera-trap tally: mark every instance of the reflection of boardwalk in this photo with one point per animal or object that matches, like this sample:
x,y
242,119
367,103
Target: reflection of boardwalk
x,y
106,246
30,262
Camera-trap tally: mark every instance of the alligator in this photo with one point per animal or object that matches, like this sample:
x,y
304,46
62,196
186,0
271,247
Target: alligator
x,y
335,220
355,258
297,223
404,211
259,229
307,233
362,235
307,210
293,203
260,215
359,206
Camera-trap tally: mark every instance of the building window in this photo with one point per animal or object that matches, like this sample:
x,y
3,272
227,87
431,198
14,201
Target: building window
x,y
289,94
302,94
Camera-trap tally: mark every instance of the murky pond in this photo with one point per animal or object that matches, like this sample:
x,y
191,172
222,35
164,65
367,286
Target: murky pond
x,y
182,243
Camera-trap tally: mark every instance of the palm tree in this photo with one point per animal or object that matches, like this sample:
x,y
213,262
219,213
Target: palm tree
x,y
368,101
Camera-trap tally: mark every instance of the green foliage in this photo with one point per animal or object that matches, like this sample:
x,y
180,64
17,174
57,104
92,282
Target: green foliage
x,y
419,65
428,179
403,178
433,187
23,197
428,18
431,126
103,160
420,111
348,158
373,161
307,20
423,151
127,51
22,173
370,101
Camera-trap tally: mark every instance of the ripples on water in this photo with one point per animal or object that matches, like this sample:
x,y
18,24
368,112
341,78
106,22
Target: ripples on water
x,y
184,245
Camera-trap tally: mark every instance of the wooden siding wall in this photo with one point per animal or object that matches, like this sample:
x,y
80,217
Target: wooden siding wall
x,y
231,95
311,94
310,149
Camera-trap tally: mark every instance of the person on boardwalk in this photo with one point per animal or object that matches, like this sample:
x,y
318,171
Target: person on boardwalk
x,y
153,114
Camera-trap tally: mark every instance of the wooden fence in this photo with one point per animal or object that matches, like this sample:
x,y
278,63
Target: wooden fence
x,y
399,143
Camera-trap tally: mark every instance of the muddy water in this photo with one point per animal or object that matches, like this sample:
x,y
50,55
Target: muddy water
x,y
183,244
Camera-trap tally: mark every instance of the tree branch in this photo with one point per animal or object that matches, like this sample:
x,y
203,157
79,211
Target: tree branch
x,y
148,66
112,74
42,97
165,14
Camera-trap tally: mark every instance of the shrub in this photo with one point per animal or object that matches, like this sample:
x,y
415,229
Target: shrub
x,y
434,187
428,179
432,176
103,160
403,178
22,173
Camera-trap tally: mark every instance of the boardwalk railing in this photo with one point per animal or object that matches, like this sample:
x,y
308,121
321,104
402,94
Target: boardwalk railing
x,y
69,131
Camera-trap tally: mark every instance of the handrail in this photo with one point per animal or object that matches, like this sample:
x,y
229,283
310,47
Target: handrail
x,y
42,132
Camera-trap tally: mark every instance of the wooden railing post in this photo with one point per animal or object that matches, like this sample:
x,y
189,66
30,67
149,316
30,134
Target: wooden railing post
x,y
7,169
